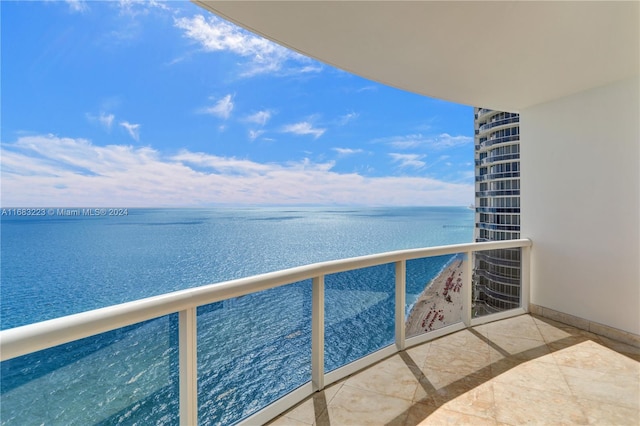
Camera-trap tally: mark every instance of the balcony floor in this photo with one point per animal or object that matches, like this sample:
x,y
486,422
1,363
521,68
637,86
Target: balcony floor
x,y
522,370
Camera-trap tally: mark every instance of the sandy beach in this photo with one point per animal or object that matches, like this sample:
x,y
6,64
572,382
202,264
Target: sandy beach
x,y
440,303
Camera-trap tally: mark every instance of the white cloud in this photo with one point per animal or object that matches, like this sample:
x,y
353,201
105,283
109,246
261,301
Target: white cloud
x,y
105,120
132,129
408,160
403,142
264,56
221,164
368,89
80,6
467,175
130,27
441,141
445,140
260,117
140,7
348,117
50,171
221,109
304,128
307,69
254,134
343,152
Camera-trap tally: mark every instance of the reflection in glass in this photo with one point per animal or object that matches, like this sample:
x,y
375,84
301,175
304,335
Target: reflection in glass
x,y
252,350
126,375
496,281
359,313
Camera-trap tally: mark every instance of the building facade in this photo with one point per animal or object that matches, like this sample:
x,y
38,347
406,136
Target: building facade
x,y
497,205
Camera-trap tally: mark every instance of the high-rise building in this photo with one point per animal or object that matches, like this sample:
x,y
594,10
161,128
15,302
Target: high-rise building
x,y
497,205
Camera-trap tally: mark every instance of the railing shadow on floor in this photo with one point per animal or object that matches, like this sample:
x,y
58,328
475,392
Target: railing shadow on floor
x,y
437,396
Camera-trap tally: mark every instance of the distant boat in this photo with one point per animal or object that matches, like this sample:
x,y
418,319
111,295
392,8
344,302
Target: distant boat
x,y
471,207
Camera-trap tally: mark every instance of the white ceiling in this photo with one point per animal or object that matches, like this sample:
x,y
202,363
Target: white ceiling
x,y
504,55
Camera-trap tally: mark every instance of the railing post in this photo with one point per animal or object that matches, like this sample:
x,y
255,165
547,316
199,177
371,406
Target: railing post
x,y
317,333
401,294
188,359
525,277
467,290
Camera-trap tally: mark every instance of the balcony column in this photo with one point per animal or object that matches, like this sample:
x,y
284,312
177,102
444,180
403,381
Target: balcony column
x,y
525,277
188,359
401,294
317,333
467,289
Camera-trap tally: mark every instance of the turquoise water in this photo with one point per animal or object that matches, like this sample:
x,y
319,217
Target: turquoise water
x,y
251,350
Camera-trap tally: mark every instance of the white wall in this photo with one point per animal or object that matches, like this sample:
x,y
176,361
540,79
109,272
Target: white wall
x,y
580,195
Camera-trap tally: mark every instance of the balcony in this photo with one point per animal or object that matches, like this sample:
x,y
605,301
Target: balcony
x,y
484,111
497,140
491,176
498,259
497,227
521,370
497,193
165,357
574,259
487,209
181,357
497,158
502,122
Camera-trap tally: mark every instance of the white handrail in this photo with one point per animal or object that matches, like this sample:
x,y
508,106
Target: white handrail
x,y
34,337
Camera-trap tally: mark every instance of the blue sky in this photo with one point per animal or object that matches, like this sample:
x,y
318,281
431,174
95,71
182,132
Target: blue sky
x,y
154,104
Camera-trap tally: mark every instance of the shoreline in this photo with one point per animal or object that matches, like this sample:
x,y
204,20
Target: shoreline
x,y
440,303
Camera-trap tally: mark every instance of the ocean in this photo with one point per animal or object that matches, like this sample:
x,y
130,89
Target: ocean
x,y
251,350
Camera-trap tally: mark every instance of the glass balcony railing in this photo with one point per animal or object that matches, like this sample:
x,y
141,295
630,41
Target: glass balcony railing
x,y
243,351
502,139
487,209
497,123
497,158
499,281
252,351
440,303
497,227
129,372
500,278
359,314
484,111
509,258
491,176
498,193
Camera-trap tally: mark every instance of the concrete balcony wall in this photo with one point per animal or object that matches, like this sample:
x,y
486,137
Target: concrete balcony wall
x,y
580,197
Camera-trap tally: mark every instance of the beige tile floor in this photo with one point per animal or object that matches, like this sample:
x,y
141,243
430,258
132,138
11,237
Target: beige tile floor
x,y
523,370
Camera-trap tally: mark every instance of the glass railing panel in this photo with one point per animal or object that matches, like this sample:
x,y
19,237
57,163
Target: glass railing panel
x,y
497,281
126,376
252,350
434,293
359,314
